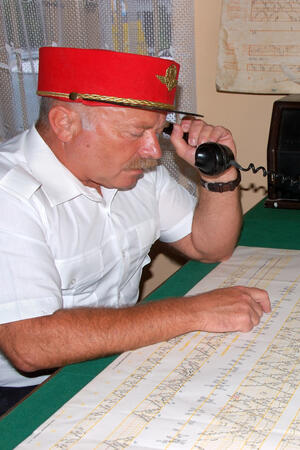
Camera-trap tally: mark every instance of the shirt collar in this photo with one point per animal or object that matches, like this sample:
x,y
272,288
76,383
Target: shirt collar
x,y
58,183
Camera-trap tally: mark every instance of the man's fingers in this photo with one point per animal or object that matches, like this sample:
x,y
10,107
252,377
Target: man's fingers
x,y
261,297
236,308
200,132
258,303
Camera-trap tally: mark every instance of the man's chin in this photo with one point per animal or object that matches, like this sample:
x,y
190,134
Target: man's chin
x,y
133,182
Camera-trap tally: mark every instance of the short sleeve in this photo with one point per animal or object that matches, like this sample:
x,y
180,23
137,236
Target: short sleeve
x,y
30,283
176,207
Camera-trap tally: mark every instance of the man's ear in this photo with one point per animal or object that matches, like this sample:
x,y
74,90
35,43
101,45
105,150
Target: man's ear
x,y
64,122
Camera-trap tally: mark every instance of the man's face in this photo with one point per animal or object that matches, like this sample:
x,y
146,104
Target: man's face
x,y
115,145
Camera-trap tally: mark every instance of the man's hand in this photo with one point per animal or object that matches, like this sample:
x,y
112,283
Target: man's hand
x,y
199,132
237,308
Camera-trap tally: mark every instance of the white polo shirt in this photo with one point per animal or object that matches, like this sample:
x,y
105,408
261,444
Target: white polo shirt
x,y
63,245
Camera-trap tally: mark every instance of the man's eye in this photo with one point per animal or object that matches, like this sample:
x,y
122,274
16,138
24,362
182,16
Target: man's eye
x,y
137,135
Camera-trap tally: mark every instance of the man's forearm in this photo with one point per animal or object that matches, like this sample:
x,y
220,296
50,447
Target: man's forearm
x,y
74,335
217,222
218,217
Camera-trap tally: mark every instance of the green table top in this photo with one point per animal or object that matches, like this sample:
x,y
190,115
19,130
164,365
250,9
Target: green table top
x,y
263,227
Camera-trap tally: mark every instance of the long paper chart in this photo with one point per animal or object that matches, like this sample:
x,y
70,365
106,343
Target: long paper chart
x,y
201,390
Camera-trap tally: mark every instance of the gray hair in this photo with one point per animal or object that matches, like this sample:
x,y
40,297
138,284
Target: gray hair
x,y
47,103
45,106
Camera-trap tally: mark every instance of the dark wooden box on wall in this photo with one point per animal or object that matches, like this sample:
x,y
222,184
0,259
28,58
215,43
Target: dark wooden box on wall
x,y
283,154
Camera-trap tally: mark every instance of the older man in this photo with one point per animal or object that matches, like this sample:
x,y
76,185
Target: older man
x,y
83,202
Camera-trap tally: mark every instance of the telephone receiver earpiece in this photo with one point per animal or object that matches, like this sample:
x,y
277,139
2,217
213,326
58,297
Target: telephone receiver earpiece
x,y
211,158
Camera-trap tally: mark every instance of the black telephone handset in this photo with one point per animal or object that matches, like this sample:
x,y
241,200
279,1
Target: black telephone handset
x,y
212,158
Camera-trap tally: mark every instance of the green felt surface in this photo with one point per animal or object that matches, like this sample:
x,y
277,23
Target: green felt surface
x,y
263,227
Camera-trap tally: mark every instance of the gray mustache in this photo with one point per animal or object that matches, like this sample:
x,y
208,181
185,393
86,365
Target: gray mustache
x,y
143,164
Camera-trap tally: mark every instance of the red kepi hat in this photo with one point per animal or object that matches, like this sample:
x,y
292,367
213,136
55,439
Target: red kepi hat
x,y
94,76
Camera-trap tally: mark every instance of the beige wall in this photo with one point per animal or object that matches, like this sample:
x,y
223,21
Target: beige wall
x,y
246,115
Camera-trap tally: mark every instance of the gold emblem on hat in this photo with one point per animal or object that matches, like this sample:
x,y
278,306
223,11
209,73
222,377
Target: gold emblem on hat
x,y
170,77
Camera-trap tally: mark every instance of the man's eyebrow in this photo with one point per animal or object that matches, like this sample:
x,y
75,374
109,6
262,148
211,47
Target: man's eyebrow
x,y
141,126
145,126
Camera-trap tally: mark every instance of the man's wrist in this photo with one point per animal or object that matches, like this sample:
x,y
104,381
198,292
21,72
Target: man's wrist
x,y
221,186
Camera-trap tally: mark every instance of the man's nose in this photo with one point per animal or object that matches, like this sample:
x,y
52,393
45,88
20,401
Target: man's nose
x,y
150,147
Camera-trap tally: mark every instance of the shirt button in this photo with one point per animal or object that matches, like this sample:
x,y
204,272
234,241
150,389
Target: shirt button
x,y
73,281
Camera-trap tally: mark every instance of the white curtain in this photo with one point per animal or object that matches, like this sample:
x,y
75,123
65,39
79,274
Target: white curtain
x,y
154,27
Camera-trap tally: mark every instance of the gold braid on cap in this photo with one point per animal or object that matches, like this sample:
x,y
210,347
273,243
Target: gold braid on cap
x,y
106,99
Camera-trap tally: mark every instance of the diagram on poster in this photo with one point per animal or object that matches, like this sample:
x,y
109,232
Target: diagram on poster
x,y
259,46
